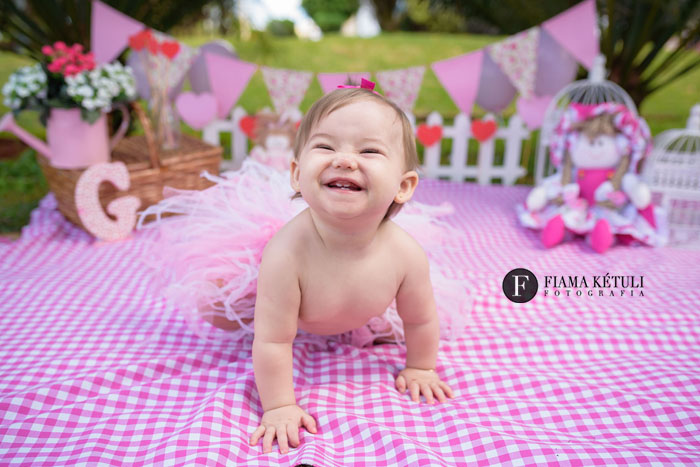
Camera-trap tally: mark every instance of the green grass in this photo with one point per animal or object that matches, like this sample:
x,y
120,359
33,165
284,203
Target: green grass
x,y
668,108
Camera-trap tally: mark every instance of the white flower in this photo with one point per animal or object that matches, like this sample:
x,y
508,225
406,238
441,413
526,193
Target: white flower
x,y
88,104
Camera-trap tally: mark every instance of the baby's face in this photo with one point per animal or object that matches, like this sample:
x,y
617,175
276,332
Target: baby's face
x,y
353,163
599,152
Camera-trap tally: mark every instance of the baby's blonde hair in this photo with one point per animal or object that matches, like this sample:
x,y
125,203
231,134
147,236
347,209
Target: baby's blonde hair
x,y
340,98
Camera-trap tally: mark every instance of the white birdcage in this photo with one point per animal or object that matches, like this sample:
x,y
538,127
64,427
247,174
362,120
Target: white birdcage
x,y
673,173
593,90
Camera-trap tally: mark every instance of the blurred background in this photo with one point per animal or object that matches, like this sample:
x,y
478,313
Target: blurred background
x,y
652,50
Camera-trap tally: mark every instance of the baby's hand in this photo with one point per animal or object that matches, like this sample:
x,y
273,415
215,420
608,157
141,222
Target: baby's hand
x,y
282,422
425,382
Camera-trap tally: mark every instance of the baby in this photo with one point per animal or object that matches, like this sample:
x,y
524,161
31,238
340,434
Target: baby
x,y
342,260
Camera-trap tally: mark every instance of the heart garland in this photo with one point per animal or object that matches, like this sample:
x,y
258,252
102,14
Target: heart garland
x,y
484,130
429,135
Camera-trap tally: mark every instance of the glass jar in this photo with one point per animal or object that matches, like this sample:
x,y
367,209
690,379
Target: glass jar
x,y
165,122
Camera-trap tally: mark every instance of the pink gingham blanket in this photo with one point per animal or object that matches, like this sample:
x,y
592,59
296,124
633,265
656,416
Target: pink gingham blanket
x,y
95,369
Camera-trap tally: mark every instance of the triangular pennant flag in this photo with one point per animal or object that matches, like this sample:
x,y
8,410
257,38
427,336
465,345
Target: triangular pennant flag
x,y
331,81
460,78
577,31
286,87
517,57
110,31
228,77
555,66
402,86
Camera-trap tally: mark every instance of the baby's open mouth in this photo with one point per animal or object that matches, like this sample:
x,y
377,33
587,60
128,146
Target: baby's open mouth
x,y
343,185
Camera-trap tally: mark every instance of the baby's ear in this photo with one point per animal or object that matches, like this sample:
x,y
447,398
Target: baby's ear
x,y
409,182
294,175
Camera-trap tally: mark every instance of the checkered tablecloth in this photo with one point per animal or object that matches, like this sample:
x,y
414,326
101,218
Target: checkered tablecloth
x,y
95,369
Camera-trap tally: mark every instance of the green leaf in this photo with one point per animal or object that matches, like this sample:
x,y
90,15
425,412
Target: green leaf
x,y
89,116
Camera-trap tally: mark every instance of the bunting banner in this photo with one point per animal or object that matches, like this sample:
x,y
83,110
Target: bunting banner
x,y
110,31
228,77
535,64
331,81
402,86
460,77
517,57
576,29
286,87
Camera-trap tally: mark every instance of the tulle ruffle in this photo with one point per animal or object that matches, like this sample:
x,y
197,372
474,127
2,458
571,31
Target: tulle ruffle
x,y
205,260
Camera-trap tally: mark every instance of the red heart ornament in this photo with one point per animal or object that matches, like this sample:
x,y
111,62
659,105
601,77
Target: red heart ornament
x,y
483,130
170,49
247,124
429,135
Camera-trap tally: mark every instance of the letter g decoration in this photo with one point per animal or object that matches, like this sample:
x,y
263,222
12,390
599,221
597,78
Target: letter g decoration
x,y
87,202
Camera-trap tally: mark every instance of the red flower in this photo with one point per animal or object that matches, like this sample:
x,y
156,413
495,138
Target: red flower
x,y
71,70
60,46
47,50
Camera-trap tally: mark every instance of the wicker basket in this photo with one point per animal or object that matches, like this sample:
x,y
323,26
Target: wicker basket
x,y
149,170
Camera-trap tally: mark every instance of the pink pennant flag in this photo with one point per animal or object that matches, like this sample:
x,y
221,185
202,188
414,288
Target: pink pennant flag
x,y
228,77
517,57
330,81
460,77
286,87
110,31
577,31
402,86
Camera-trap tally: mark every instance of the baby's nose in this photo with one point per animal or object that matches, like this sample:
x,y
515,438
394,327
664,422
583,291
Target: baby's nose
x,y
344,161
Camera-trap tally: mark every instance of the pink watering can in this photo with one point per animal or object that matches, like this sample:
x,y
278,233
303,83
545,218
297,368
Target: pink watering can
x,y
72,142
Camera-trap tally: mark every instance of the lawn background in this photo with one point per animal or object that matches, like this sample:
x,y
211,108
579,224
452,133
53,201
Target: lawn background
x,y
22,185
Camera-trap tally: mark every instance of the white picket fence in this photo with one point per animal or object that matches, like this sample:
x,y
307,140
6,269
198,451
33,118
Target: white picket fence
x,y
458,169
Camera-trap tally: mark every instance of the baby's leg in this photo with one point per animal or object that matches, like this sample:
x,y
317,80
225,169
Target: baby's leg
x,y
386,339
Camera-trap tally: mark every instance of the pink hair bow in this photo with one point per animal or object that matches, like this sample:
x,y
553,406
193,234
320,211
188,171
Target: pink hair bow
x,y
364,84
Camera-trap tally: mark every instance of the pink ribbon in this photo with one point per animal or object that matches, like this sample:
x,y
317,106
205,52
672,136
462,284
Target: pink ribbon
x,y
364,84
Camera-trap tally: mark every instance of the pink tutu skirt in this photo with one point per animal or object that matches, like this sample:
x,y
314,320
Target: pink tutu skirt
x,y
205,260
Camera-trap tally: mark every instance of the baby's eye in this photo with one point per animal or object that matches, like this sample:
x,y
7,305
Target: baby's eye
x,y
371,151
323,146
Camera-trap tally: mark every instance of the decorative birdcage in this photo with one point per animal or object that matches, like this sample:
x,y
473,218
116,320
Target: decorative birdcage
x,y
593,90
673,173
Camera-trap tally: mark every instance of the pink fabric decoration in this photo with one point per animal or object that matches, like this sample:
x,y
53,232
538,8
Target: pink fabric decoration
x,y
110,31
533,110
197,110
402,86
576,29
517,57
364,84
286,87
460,77
331,81
228,77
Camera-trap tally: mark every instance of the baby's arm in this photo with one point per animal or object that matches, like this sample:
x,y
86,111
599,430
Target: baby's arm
x,y
276,314
416,307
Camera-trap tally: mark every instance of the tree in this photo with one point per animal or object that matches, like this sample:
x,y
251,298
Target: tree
x,y
385,13
330,14
647,43
40,22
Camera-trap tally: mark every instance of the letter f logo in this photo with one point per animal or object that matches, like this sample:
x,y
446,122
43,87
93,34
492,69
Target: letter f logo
x,y
520,285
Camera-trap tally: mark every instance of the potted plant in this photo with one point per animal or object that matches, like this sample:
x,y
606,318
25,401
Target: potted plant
x,y
72,94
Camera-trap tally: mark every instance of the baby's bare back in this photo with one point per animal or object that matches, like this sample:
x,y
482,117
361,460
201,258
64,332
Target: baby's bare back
x,y
342,291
